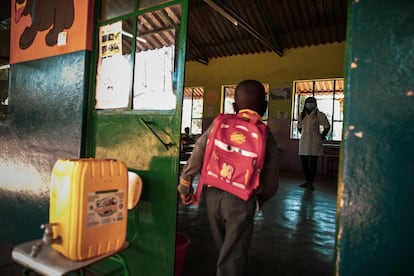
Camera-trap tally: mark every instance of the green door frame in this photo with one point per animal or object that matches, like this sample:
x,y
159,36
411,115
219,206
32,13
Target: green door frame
x,y
148,141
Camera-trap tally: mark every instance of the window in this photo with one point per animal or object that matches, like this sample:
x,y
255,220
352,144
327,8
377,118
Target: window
x,y
329,94
192,116
137,62
228,99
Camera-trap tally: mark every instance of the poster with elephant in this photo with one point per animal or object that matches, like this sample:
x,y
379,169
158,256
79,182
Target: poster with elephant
x,y
46,28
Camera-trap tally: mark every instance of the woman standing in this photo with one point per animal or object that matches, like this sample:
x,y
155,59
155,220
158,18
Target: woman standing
x,y
310,144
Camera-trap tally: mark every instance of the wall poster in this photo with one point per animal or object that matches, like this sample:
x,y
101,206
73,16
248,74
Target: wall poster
x,y
46,28
113,79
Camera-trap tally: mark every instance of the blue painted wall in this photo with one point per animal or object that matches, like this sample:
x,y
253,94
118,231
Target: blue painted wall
x,y
376,185
45,121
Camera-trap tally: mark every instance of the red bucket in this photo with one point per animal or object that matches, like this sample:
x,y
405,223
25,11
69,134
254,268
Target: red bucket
x,y
181,244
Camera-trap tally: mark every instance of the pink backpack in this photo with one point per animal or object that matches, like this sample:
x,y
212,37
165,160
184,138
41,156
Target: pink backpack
x,y
234,154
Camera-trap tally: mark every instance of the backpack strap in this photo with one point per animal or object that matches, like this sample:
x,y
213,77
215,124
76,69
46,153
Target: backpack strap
x,y
249,115
216,124
198,193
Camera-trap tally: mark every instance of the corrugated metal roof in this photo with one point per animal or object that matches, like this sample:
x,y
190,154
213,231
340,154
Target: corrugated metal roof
x,y
158,28
263,26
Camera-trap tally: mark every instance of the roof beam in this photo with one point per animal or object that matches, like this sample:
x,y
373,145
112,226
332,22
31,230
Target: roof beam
x,y
199,57
234,18
270,27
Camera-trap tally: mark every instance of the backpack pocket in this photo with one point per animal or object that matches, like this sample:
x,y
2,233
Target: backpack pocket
x,y
231,168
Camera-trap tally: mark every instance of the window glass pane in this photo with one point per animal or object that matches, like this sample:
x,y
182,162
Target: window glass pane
x,y
325,105
196,126
4,88
142,4
339,106
301,98
294,130
337,131
113,8
153,87
197,108
295,111
186,116
114,70
228,99
155,59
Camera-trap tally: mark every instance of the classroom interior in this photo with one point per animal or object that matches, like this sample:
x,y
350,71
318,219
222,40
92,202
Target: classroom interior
x,y
340,228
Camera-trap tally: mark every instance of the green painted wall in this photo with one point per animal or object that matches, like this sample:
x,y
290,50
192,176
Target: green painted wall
x,y
45,121
324,61
375,198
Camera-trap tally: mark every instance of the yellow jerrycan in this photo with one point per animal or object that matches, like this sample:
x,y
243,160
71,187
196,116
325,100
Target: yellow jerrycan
x,y
88,207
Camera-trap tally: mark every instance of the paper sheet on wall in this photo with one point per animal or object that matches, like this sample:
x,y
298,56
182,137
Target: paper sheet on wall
x,y
113,71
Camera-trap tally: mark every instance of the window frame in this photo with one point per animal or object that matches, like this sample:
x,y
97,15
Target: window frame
x,y
337,95
133,15
192,117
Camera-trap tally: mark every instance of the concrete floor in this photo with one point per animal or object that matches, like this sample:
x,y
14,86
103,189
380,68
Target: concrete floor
x,y
294,234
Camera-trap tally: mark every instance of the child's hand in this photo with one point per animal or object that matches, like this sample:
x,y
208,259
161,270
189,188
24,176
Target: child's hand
x,y
187,199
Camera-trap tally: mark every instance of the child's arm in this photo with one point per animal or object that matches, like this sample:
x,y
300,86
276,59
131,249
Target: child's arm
x,y
186,192
191,169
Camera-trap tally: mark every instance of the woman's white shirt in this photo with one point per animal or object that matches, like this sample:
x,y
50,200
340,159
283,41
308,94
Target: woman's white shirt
x,y
310,142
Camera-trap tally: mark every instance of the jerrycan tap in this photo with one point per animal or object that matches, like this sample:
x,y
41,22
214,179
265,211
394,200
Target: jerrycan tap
x,y
46,239
48,234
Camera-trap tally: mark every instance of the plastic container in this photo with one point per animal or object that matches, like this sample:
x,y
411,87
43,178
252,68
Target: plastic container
x,y
181,244
88,207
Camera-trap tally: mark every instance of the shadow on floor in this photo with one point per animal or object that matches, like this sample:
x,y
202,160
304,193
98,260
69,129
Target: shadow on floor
x,y
294,233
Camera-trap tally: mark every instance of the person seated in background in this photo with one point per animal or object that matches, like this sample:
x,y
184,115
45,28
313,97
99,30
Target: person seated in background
x,y
186,137
185,145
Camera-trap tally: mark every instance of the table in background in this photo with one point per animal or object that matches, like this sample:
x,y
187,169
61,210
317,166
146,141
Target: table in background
x,y
331,156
